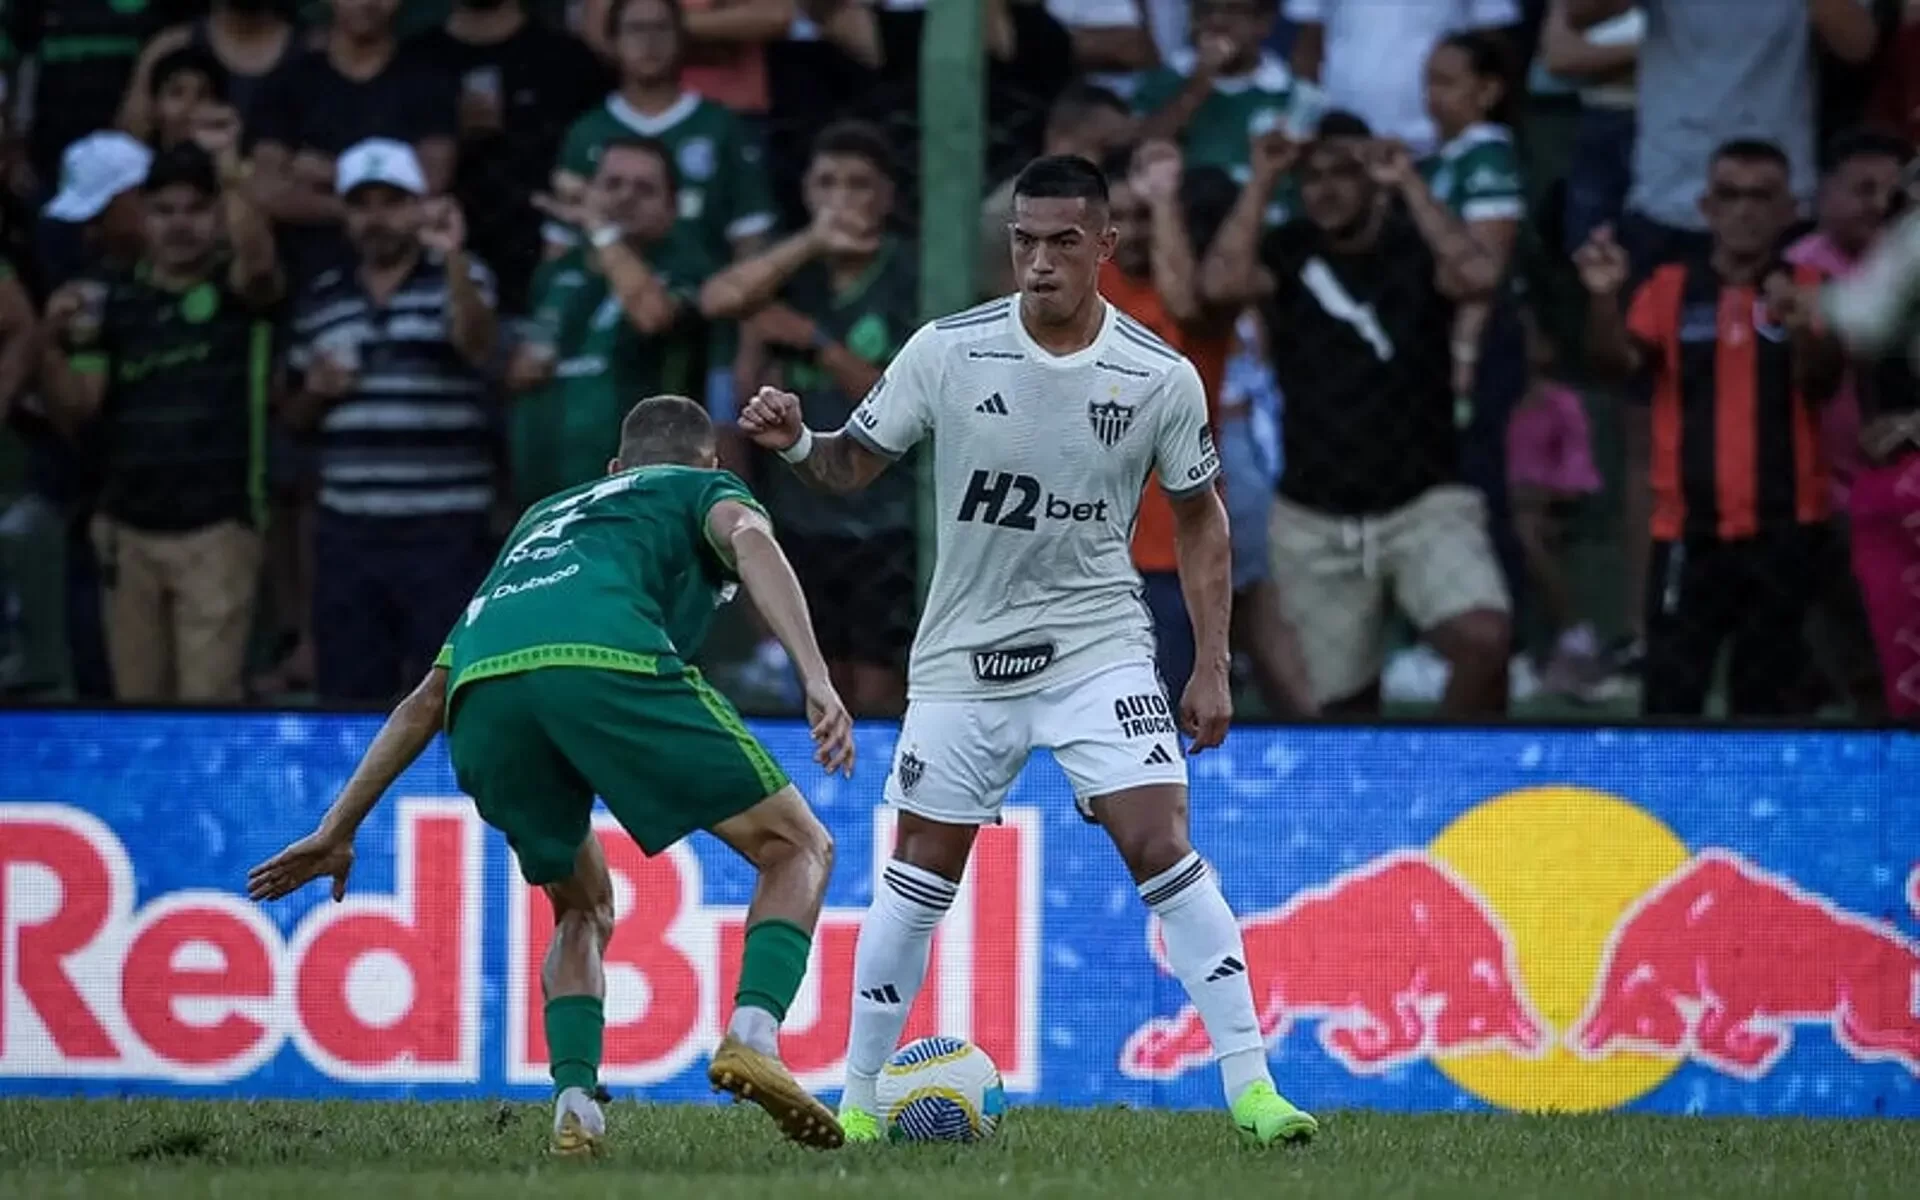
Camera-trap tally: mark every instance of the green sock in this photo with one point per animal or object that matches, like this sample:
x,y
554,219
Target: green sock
x,y
772,964
573,1041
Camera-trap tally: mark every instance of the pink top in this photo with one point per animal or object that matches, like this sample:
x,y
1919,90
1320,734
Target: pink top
x,y
1840,416
1549,446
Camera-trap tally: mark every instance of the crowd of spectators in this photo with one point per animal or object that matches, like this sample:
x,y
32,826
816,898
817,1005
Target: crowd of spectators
x,y
300,306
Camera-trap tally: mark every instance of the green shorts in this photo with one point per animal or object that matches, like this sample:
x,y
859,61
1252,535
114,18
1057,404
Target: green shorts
x,y
667,753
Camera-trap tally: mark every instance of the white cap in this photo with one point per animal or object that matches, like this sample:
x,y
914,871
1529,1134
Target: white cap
x,y
380,160
95,171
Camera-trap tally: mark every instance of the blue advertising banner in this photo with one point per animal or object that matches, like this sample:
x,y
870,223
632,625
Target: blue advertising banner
x,y
1660,920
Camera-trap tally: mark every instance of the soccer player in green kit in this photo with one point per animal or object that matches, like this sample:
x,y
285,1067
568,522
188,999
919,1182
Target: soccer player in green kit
x,y
567,678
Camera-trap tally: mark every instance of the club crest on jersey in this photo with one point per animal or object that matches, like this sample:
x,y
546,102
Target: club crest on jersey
x,y
1110,421
911,767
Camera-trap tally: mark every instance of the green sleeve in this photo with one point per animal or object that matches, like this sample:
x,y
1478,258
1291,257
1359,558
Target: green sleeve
x,y
444,659
1157,87
749,199
576,152
89,362
717,487
1490,188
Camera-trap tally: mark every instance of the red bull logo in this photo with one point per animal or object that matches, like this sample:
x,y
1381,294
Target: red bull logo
x,y
199,986
1559,948
1439,974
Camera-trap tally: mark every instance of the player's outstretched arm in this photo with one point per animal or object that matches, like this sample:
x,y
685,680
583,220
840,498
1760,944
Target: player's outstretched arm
x,y
328,850
1205,559
745,539
829,462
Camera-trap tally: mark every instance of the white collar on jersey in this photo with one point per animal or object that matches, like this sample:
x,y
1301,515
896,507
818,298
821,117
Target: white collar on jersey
x,y
1046,357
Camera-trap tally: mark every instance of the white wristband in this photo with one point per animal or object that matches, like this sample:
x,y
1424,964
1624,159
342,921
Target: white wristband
x,y
605,236
802,446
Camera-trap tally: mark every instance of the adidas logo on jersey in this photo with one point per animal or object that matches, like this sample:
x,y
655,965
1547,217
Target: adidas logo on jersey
x,y
993,406
1158,757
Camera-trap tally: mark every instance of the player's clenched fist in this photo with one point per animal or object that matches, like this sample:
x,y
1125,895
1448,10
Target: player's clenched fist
x,y
772,418
1206,709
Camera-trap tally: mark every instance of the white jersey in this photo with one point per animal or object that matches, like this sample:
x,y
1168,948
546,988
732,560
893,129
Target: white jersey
x,y
1038,463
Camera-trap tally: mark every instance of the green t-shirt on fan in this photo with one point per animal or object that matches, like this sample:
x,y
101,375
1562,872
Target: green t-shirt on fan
x,y
723,184
618,574
564,433
1477,175
1240,106
872,317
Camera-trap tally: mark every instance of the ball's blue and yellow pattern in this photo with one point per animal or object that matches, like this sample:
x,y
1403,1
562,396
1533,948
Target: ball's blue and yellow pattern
x,y
940,1089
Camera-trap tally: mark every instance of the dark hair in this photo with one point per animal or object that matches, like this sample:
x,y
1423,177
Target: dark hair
x,y
1207,197
1081,100
1864,143
665,429
618,9
186,163
1061,177
1487,58
645,145
185,60
856,139
1751,150
1339,123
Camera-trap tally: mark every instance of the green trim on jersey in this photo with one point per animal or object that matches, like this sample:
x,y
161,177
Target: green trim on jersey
x,y
769,773
558,654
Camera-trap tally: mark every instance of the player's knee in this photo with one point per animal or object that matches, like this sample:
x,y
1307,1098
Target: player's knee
x,y
1149,853
798,840
592,921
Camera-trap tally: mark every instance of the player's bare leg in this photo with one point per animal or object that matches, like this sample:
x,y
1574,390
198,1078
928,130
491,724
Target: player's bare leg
x,y
793,853
890,962
1148,826
574,984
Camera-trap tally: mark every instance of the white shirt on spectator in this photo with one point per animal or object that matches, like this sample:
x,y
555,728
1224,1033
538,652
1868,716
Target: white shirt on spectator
x,y
1375,60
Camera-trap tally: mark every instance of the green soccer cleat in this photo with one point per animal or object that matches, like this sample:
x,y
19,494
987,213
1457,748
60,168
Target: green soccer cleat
x,y
1265,1117
859,1125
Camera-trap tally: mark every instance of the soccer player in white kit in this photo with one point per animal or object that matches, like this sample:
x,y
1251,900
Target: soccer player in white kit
x,y
1047,409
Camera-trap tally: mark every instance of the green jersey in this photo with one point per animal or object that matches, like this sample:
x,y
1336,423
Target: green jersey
x,y
564,433
1477,175
723,186
617,574
866,318
1239,107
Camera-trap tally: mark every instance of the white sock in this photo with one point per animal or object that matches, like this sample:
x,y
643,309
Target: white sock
x,y
888,966
757,1028
1206,954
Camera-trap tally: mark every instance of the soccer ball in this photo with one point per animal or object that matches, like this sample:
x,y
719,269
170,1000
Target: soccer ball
x,y
940,1089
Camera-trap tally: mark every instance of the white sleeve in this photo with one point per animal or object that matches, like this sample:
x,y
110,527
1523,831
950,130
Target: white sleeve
x,y
1492,14
1312,12
1095,14
1183,452
898,410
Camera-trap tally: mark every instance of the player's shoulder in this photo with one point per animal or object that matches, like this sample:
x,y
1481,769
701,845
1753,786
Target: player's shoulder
x,y
982,322
966,335
1133,349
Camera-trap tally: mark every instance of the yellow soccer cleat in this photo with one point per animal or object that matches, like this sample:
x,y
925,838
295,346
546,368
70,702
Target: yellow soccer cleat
x,y
859,1125
746,1074
1265,1117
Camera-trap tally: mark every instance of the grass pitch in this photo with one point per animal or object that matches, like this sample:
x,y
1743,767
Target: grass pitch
x,y
114,1148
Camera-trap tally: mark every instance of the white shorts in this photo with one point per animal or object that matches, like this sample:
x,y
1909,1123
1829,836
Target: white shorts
x,y
1109,731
